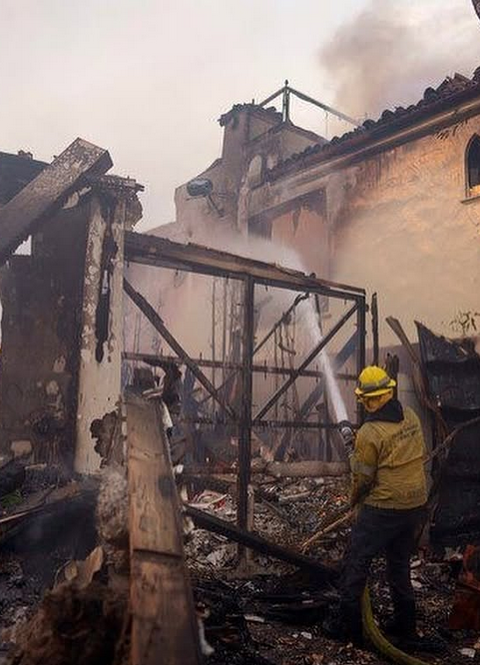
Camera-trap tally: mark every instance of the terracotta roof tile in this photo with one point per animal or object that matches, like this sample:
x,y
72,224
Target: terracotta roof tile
x,y
451,90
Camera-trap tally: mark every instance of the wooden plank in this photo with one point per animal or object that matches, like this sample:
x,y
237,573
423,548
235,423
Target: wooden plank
x,y
152,250
164,625
44,195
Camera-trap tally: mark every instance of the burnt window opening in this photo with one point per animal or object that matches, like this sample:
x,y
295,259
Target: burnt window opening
x,y
473,163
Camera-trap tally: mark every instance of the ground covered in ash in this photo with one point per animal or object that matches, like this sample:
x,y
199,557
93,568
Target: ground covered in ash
x,y
32,557
271,614
266,613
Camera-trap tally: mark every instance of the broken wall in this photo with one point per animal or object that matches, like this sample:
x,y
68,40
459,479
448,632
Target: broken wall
x,y
41,298
254,139
15,172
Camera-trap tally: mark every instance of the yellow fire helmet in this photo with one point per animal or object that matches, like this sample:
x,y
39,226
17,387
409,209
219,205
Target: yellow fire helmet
x,y
374,381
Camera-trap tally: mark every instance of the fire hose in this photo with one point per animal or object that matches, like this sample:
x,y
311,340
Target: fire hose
x,y
379,641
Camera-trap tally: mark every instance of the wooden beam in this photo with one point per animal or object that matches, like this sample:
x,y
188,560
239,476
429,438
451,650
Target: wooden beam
x,y
216,525
156,321
306,469
164,624
44,195
152,250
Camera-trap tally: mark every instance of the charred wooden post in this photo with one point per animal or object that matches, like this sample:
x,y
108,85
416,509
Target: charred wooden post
x,y
216,525
245,425
361,351
164,625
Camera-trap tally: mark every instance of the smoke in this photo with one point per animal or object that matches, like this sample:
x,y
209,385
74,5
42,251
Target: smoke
x,y
388,54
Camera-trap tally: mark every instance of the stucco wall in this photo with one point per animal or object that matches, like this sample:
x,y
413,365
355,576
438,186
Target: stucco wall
x,y
403,229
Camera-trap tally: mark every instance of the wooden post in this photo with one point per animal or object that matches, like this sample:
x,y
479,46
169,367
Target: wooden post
x,y
245,427
164,624
361,351
376,346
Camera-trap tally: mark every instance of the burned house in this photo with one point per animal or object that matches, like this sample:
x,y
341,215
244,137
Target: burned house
x,y
251,353
62,297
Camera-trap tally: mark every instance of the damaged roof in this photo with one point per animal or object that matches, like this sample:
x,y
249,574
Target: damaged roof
x,y
453,90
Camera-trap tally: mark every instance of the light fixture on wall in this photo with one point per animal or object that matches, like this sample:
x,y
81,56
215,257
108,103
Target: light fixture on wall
x,y
203,188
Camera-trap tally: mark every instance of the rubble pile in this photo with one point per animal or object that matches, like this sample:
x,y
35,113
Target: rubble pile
x,y
274,614
295,510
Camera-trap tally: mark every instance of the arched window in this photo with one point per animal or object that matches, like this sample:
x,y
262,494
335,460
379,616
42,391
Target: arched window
x,y
473,164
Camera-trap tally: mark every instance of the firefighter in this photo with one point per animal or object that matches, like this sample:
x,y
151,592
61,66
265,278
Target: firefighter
x,y
389,490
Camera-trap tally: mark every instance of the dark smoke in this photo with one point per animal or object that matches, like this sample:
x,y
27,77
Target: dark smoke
x,y
388,54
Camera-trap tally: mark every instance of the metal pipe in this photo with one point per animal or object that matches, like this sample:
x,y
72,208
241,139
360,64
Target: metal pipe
x,y
214,350
325,107
272,97
266,424
376,348
361,352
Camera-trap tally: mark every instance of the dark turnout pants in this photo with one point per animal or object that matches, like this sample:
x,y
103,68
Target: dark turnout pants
x,y
376,531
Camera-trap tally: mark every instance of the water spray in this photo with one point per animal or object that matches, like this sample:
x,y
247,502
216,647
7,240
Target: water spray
x,y
345,428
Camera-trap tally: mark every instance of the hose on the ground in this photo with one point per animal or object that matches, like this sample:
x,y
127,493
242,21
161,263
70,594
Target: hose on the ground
x,y
379,641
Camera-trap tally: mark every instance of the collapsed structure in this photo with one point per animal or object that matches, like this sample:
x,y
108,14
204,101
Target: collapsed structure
x,y
102,327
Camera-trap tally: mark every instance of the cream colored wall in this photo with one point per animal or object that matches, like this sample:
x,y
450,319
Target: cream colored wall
x,y
250,141
306,233
399,225
403,229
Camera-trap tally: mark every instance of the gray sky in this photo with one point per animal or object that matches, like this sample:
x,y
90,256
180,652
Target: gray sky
x,y
148,80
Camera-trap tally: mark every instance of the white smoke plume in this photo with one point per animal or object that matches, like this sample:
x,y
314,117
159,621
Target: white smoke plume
x,y
389,53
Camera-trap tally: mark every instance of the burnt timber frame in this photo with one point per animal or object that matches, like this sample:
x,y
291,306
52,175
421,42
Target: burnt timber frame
x,y
46,193
160,252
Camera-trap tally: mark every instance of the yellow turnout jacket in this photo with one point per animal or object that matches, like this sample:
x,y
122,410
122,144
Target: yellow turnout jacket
x,y
387,464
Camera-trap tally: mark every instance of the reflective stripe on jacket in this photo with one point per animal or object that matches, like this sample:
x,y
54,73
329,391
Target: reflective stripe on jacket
x,y
387,464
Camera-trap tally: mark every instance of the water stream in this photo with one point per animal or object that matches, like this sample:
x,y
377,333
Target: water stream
x,y
311,321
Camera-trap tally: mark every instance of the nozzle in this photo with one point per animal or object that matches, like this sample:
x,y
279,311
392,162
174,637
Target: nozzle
x,y
348,434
